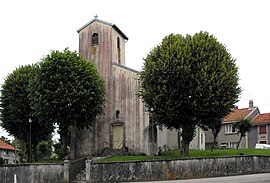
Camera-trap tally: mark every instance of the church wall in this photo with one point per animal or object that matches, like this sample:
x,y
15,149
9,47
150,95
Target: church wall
x,y
101,55
125,88
122,88
115,54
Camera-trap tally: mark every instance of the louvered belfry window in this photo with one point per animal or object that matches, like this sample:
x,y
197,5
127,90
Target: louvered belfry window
x,y
95,39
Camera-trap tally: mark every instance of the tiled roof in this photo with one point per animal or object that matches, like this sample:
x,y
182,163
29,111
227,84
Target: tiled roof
x,y
262,118
237,114
4,145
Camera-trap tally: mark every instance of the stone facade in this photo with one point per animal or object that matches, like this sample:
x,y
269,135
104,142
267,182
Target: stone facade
x,y
125,120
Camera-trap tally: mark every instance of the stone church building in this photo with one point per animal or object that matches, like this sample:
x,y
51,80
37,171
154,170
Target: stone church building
x,y
125,122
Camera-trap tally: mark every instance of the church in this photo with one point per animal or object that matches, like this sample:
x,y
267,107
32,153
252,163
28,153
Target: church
x,y
125,121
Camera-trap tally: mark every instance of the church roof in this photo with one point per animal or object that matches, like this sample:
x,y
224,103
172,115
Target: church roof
x,y
106,23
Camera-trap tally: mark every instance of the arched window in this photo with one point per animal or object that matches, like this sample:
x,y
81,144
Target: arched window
x,y
118,50
95,39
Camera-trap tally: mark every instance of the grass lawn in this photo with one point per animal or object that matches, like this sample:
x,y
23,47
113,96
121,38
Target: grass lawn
x,y
48,161
192,154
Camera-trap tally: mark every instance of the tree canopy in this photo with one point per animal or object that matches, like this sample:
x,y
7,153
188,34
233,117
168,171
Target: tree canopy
x,y
15,109
187,81
66,90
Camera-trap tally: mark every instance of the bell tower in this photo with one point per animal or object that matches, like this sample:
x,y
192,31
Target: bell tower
x,y
102,43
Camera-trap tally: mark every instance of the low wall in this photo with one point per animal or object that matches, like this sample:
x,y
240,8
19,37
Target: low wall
x,y
178,169
49,173
138,170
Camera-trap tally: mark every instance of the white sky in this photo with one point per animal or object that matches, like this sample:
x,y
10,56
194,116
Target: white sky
x,y
29,29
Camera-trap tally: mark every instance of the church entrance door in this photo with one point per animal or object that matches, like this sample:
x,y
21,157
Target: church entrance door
x,y
118,136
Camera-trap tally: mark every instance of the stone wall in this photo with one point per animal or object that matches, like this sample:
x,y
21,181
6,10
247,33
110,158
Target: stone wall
x,y
50,173
178,169
139,170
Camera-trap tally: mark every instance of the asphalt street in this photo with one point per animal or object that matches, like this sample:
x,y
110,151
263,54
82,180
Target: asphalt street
x,y
254,178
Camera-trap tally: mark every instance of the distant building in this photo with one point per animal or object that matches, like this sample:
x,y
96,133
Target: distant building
x,y
8,153
228,136
259,132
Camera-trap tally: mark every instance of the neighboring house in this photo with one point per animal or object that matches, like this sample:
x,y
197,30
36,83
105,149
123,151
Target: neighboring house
x,y
7,152
228,136
168,139
259,132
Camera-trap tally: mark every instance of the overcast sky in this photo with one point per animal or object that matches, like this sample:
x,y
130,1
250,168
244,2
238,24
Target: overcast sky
x,y
31,28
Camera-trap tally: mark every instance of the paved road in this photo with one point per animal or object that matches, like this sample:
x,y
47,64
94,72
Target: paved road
x,y
254,178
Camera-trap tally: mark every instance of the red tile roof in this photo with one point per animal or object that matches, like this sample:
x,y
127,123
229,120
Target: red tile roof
x,y
237,114
262,118
4,145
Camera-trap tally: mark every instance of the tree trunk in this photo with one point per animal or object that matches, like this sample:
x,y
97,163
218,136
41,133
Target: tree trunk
x,y
188,132
239,141
179,138
214,142
184,151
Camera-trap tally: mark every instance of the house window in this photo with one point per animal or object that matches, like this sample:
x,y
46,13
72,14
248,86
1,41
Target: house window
x,y
232,145
223,145
201,138
95,39
229,128
262,129
6,161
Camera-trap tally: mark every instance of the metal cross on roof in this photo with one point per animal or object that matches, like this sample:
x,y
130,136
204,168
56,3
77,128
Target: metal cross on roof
x,y
96,16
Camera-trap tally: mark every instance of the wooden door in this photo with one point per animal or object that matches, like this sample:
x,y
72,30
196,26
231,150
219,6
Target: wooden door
x,y
118,136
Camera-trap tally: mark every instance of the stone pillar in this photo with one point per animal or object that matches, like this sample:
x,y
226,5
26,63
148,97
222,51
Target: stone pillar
x,y
88,170
66,171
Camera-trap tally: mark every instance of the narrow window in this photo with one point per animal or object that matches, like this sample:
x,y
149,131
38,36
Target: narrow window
x,y
118,50
262,129
95,39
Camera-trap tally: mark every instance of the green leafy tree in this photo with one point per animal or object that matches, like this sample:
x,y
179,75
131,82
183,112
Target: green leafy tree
x,y
44,149
188,79
6,140
242,126
66,90
21,147
15,109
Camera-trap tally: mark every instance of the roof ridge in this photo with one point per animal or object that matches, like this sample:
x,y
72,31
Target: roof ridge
x,y
106,23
